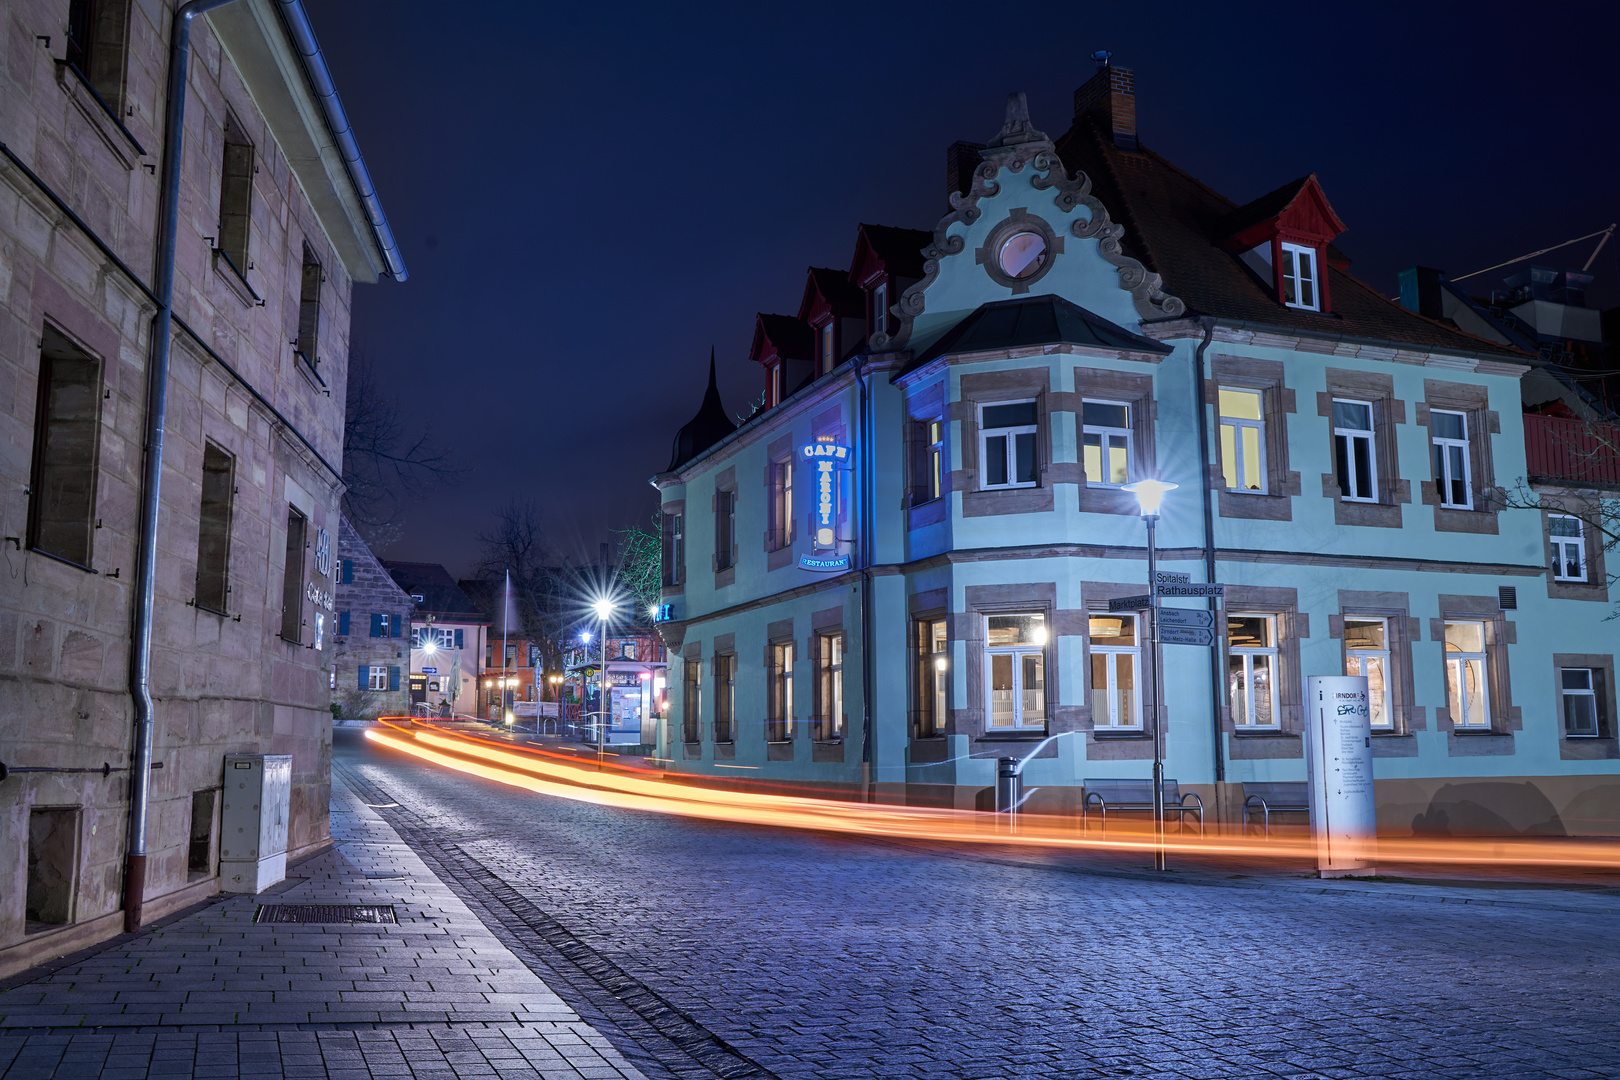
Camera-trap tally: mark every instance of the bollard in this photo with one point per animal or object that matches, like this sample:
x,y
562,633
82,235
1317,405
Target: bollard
x,y
1009,789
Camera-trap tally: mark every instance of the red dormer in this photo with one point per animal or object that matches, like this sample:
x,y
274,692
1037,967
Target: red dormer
x,y
1285,237
836,314
784,347
888,260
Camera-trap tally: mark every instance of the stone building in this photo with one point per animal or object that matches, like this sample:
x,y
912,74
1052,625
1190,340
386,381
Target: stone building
x,y
449,633
904,566
370,650
276,220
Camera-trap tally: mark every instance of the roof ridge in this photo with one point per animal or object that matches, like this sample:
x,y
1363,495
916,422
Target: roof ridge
x,y
1443,324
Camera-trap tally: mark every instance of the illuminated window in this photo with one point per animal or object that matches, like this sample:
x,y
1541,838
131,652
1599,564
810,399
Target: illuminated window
x,y
932,678
1015,654
1299,277
779,719
1251,670
935,480
1105,442
1568,547
1467,694
1116,657
1449,433
1580,690
1007,445
377,677
1243,440
829,686
1366,652
1353,455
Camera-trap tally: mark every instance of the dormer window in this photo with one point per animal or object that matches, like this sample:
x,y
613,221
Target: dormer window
x,y
1299,277
880,307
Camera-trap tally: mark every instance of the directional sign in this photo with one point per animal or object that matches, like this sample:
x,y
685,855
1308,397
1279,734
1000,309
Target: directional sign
x,y
1129,603
1199,590
1167,577
430,671
1185,635
1180,616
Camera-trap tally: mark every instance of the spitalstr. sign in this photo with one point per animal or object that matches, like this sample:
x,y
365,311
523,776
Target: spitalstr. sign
x,y
826,459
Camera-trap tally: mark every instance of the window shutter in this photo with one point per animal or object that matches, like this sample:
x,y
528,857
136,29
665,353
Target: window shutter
x,y
393,625
343,624
458,639
348,571
1507,597
393,678
376,625
364,674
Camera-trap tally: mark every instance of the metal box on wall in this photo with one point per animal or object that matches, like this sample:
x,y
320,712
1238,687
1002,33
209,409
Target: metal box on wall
x,y
253,821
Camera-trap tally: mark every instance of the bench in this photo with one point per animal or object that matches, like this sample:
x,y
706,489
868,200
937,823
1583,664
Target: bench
x,y
1109,795
1275,796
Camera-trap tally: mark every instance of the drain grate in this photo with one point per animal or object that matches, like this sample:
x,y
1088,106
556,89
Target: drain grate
x,y
325,913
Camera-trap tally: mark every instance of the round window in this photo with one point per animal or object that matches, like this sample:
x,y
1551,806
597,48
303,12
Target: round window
x,y
1023,254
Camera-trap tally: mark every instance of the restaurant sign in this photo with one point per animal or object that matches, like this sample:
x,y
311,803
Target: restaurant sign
x,y
827,460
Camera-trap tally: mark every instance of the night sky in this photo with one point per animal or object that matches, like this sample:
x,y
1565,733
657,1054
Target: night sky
x,y
590,196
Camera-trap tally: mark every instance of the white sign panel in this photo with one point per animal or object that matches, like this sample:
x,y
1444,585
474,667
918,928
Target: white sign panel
x,y
1344,815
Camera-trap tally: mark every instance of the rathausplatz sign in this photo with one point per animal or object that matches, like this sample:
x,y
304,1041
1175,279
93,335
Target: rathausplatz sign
x,y
826,459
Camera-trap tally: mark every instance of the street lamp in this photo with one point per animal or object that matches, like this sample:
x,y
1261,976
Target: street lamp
x,y
603,608
1149,494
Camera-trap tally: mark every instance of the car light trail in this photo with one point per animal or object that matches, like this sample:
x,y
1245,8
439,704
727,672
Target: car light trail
x,y
630,788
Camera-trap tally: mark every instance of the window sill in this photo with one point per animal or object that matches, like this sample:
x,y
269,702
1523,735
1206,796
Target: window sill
x,y
212,611
102,111
236,279
1017,735
307,370
290,641
1119,733
1480,731
1390,734
64,560
1263,733
1582,738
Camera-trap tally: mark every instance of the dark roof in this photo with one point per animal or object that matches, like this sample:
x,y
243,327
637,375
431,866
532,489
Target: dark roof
x,y
1024,321
709,426
1265,207
441,596
844,298
790,336
900,249
1176,225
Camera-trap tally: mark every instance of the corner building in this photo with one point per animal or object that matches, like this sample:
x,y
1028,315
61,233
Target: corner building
x,y
1087,315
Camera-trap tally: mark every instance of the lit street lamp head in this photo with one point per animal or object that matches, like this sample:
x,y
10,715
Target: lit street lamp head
x,y
430,646
1149,494
603,608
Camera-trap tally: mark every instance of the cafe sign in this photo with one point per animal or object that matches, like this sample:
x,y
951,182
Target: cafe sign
x,y
827,461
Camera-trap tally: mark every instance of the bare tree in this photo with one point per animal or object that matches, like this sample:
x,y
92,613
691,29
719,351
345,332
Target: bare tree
x,y
541,592
381,458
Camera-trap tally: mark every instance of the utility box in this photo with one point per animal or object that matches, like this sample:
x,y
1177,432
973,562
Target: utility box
x,y
253,821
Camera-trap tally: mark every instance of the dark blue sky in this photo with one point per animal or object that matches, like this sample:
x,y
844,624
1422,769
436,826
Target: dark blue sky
x,y
588,198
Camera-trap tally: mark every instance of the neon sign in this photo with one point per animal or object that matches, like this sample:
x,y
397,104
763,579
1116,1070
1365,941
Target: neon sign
x,y
827,458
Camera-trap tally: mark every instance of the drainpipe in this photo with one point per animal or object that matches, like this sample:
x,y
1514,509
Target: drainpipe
x,y
864,557
157,403
1216,697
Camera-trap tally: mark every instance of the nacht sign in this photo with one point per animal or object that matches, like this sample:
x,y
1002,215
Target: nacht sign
x,y
826,459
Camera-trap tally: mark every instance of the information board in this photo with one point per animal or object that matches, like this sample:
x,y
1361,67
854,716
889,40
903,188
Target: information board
x,y
1344,817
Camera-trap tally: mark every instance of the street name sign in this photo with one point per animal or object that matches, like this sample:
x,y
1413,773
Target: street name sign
x,y
1171,577
1130,603
1180,616
1185,635
1198,590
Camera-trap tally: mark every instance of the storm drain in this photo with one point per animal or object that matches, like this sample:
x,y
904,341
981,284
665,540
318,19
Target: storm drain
x,y
325,913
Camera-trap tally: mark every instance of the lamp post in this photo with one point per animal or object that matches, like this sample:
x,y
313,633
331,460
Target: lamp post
x,y
1149,493
603,608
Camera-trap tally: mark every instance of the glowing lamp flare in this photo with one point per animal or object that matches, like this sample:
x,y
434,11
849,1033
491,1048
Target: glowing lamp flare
x,y
1149,494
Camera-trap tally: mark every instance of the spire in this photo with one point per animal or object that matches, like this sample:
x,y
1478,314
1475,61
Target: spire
x,y
709,426
1017,129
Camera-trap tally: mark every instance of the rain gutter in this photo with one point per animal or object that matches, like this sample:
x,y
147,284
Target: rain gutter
x,y
1202,397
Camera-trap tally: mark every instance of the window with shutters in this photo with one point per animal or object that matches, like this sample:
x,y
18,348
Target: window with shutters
x,y
377,677
236,197
309,310
292,579
214,528
67,435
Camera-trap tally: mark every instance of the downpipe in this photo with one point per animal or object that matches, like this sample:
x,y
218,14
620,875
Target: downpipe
x,y
864,461
157,403
1216,689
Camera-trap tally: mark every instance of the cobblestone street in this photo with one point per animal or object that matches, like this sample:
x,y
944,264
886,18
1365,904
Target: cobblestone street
x,y
703,949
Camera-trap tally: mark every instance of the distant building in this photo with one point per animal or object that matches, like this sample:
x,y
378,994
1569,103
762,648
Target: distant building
x,y
447,639
637,681
918,556
370,661
275,227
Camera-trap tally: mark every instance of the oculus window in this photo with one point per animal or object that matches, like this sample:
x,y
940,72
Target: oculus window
x,y
1022,254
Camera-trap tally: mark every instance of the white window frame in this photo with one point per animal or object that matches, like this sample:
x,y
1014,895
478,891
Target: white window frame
x,y
1293,257
377,677
830,685
1111,722
1349,438
1443,461
1247,653
782,502
1011,435
1239,424
1104,434
1352,652
1565,694
782,692
1456,660
1562,546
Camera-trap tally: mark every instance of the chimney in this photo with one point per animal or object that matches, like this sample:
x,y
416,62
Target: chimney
x,y
1109,97
961,158
1420,290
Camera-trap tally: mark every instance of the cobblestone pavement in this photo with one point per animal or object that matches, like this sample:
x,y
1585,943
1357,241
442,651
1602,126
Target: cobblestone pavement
x,y
213,994
704,949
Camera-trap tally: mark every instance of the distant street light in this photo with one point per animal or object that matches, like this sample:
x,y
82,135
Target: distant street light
x,y
1149,494
603,608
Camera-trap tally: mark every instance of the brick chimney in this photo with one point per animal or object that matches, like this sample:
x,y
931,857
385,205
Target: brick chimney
x,y
1109,97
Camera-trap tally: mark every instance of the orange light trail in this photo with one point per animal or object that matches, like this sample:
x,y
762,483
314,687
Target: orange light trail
x,y
625,787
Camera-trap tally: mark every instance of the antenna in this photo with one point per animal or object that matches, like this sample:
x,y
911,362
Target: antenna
x,y
1102,57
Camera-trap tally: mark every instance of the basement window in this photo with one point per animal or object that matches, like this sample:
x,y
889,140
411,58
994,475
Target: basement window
x,y
67,428
214,529
53,856
200,853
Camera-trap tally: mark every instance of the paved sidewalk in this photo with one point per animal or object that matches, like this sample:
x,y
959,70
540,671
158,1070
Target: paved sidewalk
x,y
214,995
